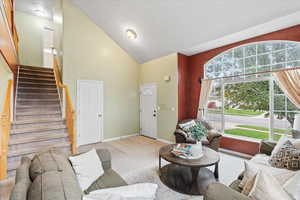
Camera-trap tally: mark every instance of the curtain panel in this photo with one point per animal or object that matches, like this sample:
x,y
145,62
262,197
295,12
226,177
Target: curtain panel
x,y
206,87
289,83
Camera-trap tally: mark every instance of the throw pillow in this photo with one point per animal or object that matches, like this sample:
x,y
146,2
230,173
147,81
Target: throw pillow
x,y
87,167
266,187
283,139
186,126
296,143
280,142
251,169
287,157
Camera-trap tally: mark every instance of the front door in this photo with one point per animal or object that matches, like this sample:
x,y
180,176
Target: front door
x,y
148,110
89,111
48,37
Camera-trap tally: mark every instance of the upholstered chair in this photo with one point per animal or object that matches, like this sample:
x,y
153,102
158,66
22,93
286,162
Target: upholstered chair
x,y
213,136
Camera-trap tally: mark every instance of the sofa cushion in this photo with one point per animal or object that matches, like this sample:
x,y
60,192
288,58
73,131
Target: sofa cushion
x,y
55,185
251,169
266,187
286,157
22,182
49,160
109,179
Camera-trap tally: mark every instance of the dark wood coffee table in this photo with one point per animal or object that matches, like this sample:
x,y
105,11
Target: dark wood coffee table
x,y
188,176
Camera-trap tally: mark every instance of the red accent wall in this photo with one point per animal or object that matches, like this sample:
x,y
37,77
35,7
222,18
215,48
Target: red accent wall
x,y
192,69
182,78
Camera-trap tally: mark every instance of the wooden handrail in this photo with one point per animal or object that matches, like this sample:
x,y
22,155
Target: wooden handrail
x,y
69,110
9,9
5,125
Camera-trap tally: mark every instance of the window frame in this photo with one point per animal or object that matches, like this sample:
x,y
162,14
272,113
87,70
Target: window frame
x,y
225,80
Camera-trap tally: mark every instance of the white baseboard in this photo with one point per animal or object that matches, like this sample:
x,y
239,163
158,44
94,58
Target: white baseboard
x,y
165,141
119,138
234,153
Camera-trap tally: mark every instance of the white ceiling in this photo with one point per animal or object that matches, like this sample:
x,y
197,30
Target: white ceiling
x,y
29,6
167,26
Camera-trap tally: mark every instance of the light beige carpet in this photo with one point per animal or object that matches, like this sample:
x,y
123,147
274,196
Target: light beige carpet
x,y
150,175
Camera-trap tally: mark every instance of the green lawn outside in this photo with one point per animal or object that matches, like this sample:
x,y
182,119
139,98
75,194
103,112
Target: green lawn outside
x,y
259,128
250,133
238,112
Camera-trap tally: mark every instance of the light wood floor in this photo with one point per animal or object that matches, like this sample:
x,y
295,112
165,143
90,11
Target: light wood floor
x,y
137,152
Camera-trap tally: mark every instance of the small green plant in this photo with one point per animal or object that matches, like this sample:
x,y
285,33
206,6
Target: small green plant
x,y
198,132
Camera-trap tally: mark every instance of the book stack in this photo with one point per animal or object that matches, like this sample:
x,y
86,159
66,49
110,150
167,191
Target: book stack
x,y
186,151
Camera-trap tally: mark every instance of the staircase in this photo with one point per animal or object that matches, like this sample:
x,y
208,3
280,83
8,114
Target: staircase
x,y
38,122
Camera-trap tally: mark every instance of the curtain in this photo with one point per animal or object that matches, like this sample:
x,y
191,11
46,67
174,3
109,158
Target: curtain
x,y
289,83
206,87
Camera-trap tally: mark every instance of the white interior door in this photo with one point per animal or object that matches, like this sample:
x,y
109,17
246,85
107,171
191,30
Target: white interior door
x,y
48,44
148,110
89,111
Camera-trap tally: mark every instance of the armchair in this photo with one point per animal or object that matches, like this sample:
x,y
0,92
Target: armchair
x,y
213,136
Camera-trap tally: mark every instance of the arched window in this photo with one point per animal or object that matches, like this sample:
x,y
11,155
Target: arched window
x,y
245,101
254,57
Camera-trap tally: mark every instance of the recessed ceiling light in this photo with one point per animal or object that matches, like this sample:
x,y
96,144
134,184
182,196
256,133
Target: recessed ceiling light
x,y
131,34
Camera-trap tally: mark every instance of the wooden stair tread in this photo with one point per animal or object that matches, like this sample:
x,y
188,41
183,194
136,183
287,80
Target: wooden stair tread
x,y
31,150
35,71
38,79
37,121
37,139
38,112
38,93
35,68
37,88
27,130
38,106
31,99
24,82
36,74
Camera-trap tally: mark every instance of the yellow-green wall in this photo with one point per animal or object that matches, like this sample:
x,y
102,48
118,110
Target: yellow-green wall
x,y
30,30
167,92
89,54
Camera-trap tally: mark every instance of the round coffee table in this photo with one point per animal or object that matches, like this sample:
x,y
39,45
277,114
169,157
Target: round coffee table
x,y
188,176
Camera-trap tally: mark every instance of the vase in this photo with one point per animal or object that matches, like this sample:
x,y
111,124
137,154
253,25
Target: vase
x,y
197,149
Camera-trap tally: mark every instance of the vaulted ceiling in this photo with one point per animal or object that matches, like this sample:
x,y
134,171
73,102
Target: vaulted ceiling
x,y
166,26
187,26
